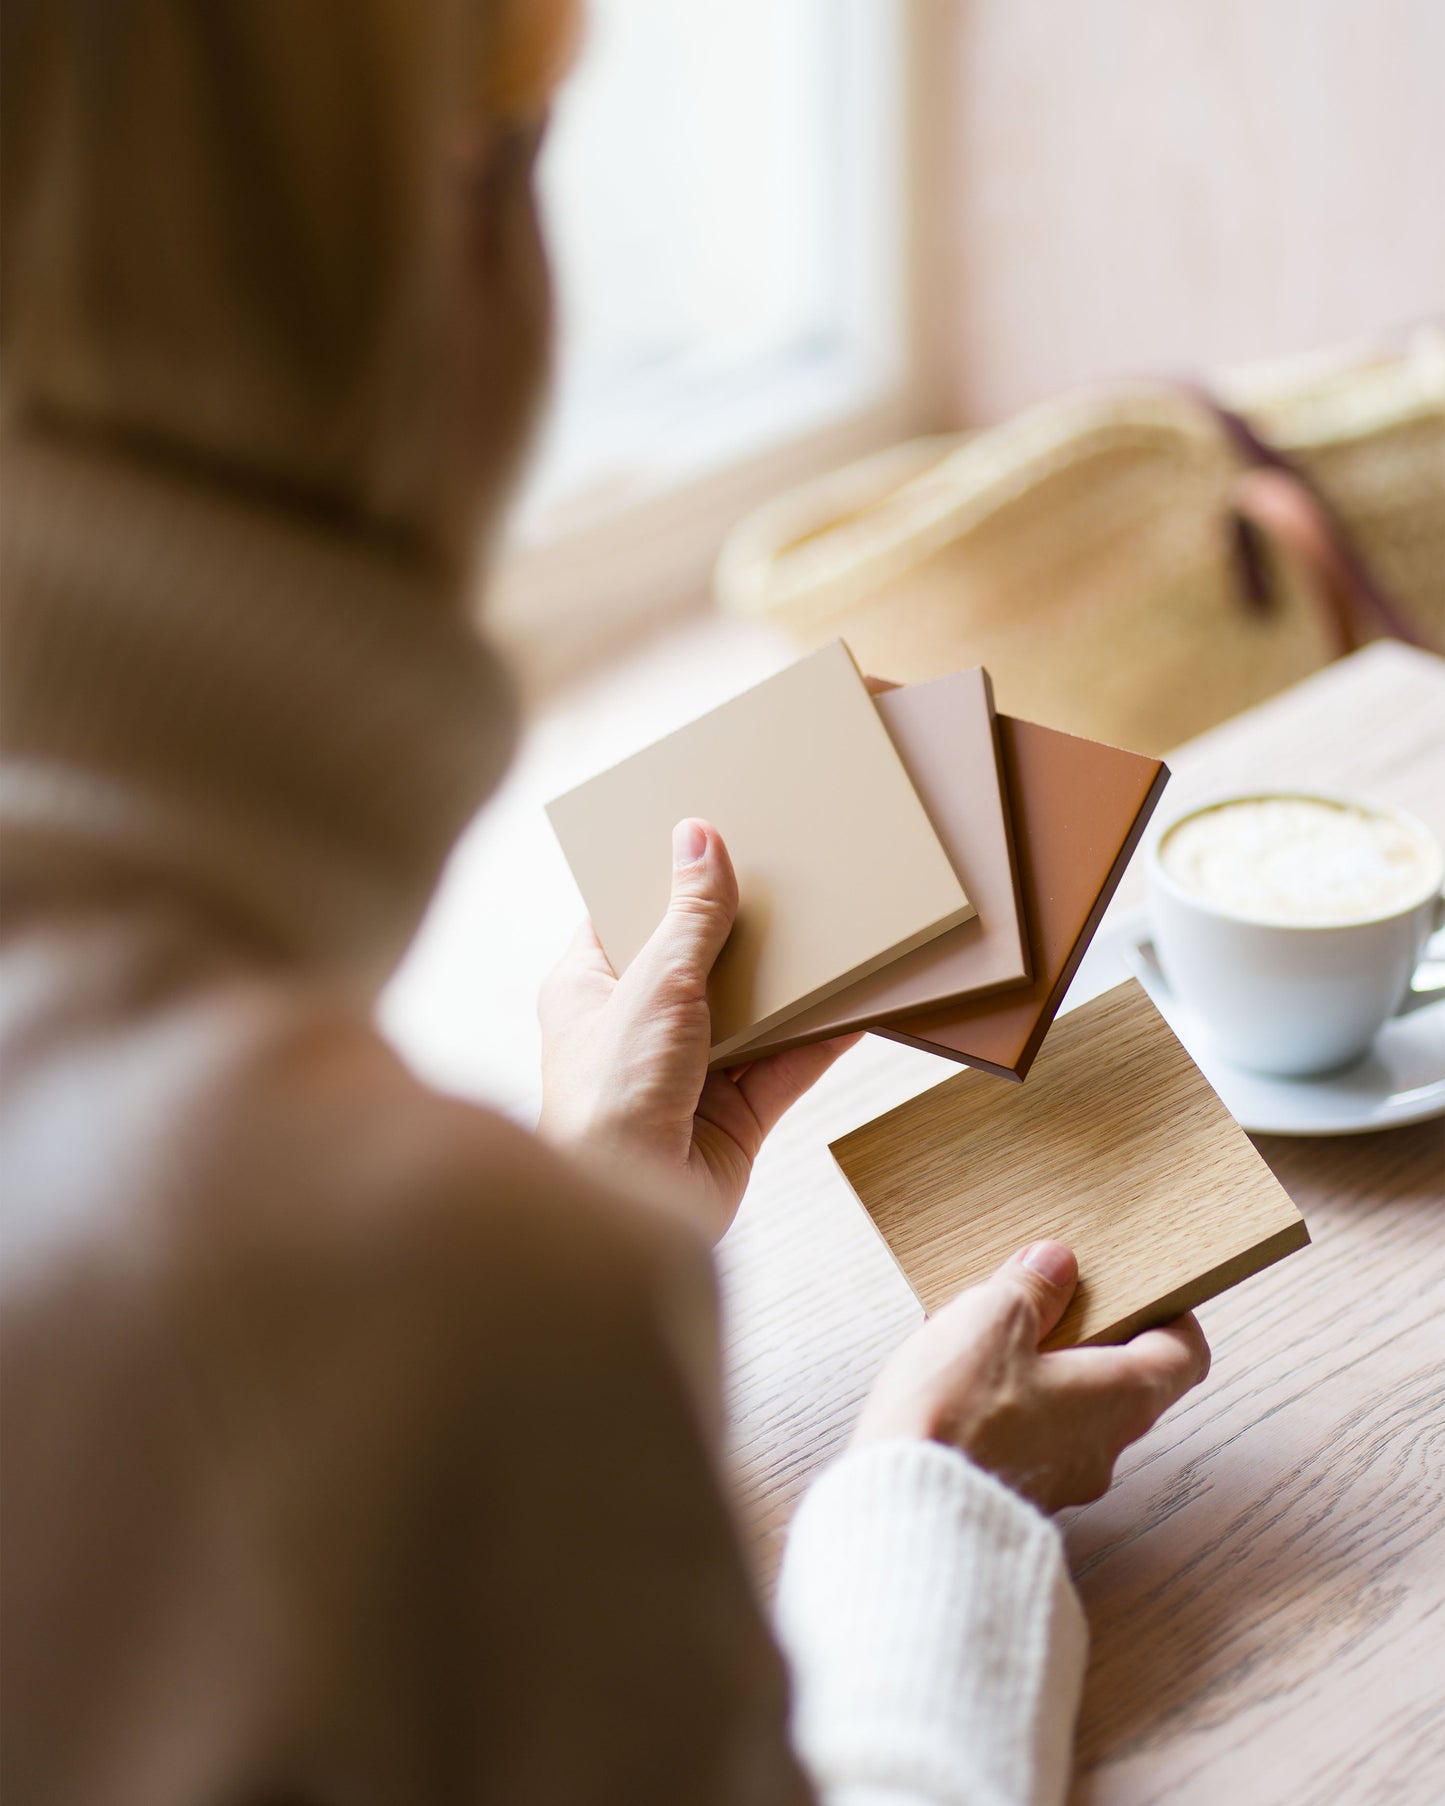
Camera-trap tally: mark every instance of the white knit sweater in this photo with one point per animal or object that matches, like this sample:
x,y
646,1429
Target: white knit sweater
x,y
936,1643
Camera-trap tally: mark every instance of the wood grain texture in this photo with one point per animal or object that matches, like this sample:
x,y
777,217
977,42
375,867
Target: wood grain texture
x,y
1265,1581
1117,1145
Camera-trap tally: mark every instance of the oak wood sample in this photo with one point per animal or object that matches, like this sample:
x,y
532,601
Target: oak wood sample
x,y
946,735
839,869
1118,1147
1079,808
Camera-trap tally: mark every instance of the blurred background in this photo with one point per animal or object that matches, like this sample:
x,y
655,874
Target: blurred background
x,y
911,320
789,233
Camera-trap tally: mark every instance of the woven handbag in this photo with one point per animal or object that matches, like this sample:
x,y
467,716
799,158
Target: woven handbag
x,y
1134,563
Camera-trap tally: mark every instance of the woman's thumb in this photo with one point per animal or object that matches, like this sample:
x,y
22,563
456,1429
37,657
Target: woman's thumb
x,y
700,912
1047,1274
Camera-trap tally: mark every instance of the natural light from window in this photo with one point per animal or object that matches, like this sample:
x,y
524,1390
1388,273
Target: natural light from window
x,y
722,186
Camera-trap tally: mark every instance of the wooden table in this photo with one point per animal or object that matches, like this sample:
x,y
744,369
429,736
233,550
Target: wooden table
x,y
1265,1583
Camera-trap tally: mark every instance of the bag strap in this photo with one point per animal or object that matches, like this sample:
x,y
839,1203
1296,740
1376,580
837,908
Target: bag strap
x,y
1276,496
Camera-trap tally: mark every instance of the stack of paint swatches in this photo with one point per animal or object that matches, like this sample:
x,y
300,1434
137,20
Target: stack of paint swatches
x,y
908,861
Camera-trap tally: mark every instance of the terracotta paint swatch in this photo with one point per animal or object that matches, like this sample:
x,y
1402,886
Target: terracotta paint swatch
x,y
839,869
1118,1147
946,735
1078,808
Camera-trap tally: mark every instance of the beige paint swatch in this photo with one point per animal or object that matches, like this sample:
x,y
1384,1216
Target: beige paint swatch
x,y
1117,1145
839,869
947,738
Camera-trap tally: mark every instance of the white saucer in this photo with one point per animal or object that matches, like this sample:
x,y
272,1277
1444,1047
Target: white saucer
x,y
1401,1080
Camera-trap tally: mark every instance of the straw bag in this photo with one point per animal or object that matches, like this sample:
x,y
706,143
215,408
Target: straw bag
x,y
1135,563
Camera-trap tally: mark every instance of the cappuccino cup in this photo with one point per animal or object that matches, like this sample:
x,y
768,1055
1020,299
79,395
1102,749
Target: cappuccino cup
x,y
1291,923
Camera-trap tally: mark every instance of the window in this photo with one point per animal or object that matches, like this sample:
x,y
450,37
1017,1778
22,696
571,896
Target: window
x,y
723,192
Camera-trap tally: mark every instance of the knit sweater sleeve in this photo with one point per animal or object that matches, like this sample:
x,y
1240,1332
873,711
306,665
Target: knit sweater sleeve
x,y
936,1642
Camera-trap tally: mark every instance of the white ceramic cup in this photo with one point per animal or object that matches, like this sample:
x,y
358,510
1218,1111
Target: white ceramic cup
x,y
1290,999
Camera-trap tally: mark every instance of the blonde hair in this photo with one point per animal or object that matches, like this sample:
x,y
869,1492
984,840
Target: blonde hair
x,y
224,227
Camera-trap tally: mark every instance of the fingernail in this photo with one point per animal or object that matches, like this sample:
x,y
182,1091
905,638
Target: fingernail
x,y
1051,1261
689,843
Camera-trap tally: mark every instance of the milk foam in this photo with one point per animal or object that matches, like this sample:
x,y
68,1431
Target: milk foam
x,y
1300,861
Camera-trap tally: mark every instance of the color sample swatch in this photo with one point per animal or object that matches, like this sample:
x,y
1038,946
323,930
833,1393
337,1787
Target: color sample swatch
x,y
839,869
945,734
1117,1146
1078,808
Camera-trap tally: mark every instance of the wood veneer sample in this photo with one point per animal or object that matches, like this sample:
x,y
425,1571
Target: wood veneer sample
x,y
839,869
1118,1147
1079,808
946,735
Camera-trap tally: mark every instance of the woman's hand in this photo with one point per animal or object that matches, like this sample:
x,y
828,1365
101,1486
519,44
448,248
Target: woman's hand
x,y
624,1060
1051,1426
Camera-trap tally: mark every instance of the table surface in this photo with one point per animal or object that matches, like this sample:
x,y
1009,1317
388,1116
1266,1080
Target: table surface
x,y
1265,1583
